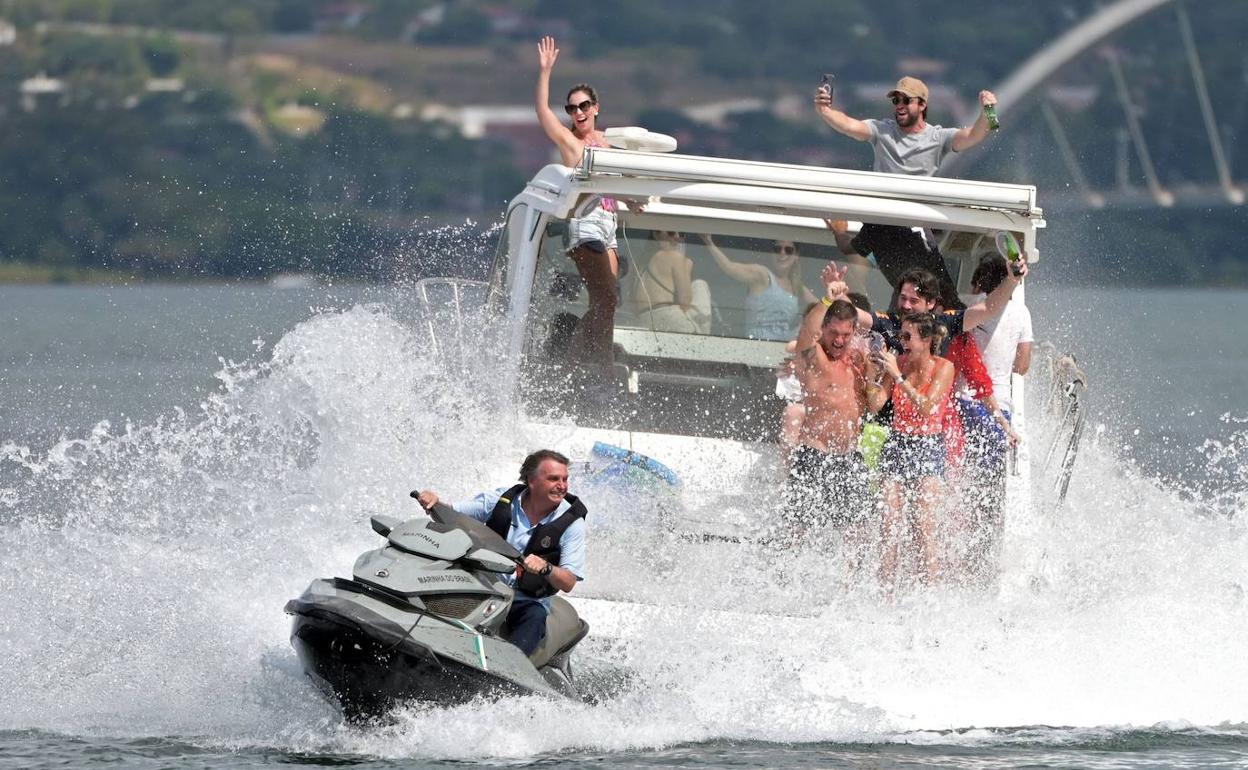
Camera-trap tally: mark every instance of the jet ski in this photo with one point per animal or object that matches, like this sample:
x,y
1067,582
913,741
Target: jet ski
x,y
421,619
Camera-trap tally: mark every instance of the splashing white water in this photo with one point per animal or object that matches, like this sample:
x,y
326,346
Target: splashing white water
x,y
145,570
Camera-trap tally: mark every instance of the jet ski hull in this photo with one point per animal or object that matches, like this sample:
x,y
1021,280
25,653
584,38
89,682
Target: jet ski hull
x,y
370,653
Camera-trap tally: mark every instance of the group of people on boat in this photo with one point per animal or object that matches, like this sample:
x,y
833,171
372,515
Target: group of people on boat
x,y
918,376
929,367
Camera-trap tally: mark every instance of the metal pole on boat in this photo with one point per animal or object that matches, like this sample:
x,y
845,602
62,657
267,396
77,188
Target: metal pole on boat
x,y
1068,383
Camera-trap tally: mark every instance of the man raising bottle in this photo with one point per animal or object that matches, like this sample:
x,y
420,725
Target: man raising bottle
x,y
906,144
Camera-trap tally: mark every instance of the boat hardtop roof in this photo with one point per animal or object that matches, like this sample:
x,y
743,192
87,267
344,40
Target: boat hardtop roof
x,y
760,193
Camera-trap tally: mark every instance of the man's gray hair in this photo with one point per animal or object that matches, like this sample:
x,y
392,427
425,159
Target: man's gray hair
x,y
533,461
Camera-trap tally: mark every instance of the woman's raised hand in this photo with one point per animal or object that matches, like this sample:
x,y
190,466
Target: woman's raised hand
x,y
547,53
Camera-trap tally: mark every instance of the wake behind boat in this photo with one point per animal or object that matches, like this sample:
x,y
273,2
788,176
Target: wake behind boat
x,y
421,619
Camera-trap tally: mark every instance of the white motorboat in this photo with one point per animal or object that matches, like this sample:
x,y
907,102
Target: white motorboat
x,y
704,404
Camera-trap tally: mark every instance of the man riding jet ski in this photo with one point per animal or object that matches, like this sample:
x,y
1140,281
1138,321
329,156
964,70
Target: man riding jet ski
x,y
427,617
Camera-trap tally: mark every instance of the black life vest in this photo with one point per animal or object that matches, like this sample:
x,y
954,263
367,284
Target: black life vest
x,y
544,541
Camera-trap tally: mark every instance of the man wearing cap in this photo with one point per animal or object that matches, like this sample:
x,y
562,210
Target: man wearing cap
x,y
905,144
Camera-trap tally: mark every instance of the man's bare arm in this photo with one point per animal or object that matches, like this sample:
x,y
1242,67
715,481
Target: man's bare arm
x,y
1022,358
968,137
833,278
995,302
842,289
559,577
995,410
812,326
842,123
840,231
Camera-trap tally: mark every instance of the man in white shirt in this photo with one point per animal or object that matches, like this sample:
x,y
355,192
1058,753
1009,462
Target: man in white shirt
x,y
1005,340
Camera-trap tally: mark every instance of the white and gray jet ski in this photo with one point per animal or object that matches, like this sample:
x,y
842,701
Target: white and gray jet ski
x,y
422,619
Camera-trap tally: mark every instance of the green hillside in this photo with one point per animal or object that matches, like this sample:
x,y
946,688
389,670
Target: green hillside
x,y
202,139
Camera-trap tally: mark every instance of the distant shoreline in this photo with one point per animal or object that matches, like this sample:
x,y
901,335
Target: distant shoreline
x,y
31,274
34,273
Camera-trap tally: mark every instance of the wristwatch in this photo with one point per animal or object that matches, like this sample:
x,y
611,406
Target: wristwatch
x,y
546,570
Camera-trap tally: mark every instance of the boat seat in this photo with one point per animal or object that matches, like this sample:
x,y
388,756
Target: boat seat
x,y
564,628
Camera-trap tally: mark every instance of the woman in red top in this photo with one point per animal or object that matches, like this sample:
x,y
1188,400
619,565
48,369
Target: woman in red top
x,y
973,394
912,461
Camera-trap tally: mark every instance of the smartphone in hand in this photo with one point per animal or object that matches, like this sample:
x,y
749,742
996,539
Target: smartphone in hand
x,y
828,82
876,342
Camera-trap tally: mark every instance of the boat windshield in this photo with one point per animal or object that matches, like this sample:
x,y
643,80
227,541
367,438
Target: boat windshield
x,y
701,324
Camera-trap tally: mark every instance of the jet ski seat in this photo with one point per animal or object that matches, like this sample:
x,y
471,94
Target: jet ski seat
x,y
564,628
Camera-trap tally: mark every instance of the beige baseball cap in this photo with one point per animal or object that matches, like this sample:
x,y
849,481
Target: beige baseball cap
x,y
909,86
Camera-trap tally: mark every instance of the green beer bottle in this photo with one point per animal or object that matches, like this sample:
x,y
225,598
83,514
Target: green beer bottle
x,y
1008,246
990,112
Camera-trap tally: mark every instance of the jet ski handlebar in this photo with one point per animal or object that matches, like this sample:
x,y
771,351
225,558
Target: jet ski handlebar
x,y
481,535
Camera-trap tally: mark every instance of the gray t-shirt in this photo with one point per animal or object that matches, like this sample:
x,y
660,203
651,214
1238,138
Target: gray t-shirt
x,y
897,152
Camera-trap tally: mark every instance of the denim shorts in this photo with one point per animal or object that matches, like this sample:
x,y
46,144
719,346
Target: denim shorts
x,y
598,225
910,458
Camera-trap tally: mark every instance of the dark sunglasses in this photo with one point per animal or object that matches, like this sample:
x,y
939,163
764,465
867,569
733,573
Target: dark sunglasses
x,y
905,99
785,249
584,106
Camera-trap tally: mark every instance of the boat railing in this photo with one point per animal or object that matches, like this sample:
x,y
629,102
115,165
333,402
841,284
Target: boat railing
x,y
448,308
1064,404
608,161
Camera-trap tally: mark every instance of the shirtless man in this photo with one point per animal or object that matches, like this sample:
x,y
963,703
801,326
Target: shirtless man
x,y
828,479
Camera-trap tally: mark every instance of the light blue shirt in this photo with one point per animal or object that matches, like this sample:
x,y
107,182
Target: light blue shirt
x,y
571,544
773,313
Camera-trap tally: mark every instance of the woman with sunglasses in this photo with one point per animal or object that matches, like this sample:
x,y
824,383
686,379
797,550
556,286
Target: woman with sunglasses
x,y
591,238
774,295
912,460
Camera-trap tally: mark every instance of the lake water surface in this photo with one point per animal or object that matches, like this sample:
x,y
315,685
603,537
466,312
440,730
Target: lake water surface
x,y
176,462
